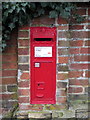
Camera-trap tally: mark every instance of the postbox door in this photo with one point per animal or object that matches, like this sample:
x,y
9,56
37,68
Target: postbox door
x,y
43,86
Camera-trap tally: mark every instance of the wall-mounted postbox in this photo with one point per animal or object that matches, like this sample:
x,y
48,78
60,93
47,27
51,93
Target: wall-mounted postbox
x,y
43,65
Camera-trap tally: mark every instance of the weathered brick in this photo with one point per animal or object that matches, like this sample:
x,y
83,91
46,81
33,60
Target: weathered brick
x,y
63,43
63,51
87,74
10,50
65,27
75,74
64,34
76,27
9,58
81,11
7,81
63,68
9,96
23,42
9,73
43,20
12,88
85,50
23,99
55,107
88,11
25,76
23,59
79,34
63,59
37,107
76,43
81,58
74,50
24,84
75,89
61,93
9,65
23,34
79,66
61,99
23,51
87,43
61,84
3,88
62,76
82,82
23,92
62,21
78,97
23,67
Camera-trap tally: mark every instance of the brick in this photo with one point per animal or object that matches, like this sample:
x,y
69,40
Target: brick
x,y
25,76
9,58
64,34
23,34
23,59
23,42
61,99
61,84
74,50
23,92
78,97
62,76
75,90
55,107
63,59
81,58
76,27
43,20
81,11
62,68
8,96
89,11
6,81
79,66
10,50
3,88
87,74
75,74
23,67
9,65
63,51
62,21
63,43
81,82
84,50
76,43
12,88
23,84
23,99
31,107
87,26
61,93
87,43
23,51
9,73
65,27
79,34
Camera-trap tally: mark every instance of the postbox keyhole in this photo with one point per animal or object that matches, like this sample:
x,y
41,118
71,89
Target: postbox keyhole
x,y
38,84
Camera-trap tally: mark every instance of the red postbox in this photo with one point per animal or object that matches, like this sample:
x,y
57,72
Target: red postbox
x,y
43,65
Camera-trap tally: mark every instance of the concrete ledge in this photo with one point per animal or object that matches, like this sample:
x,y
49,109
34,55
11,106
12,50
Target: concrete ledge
x,y
40,115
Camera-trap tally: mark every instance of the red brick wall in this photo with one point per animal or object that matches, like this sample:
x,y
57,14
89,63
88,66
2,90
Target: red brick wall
x,y
72,65
9,75
72,62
